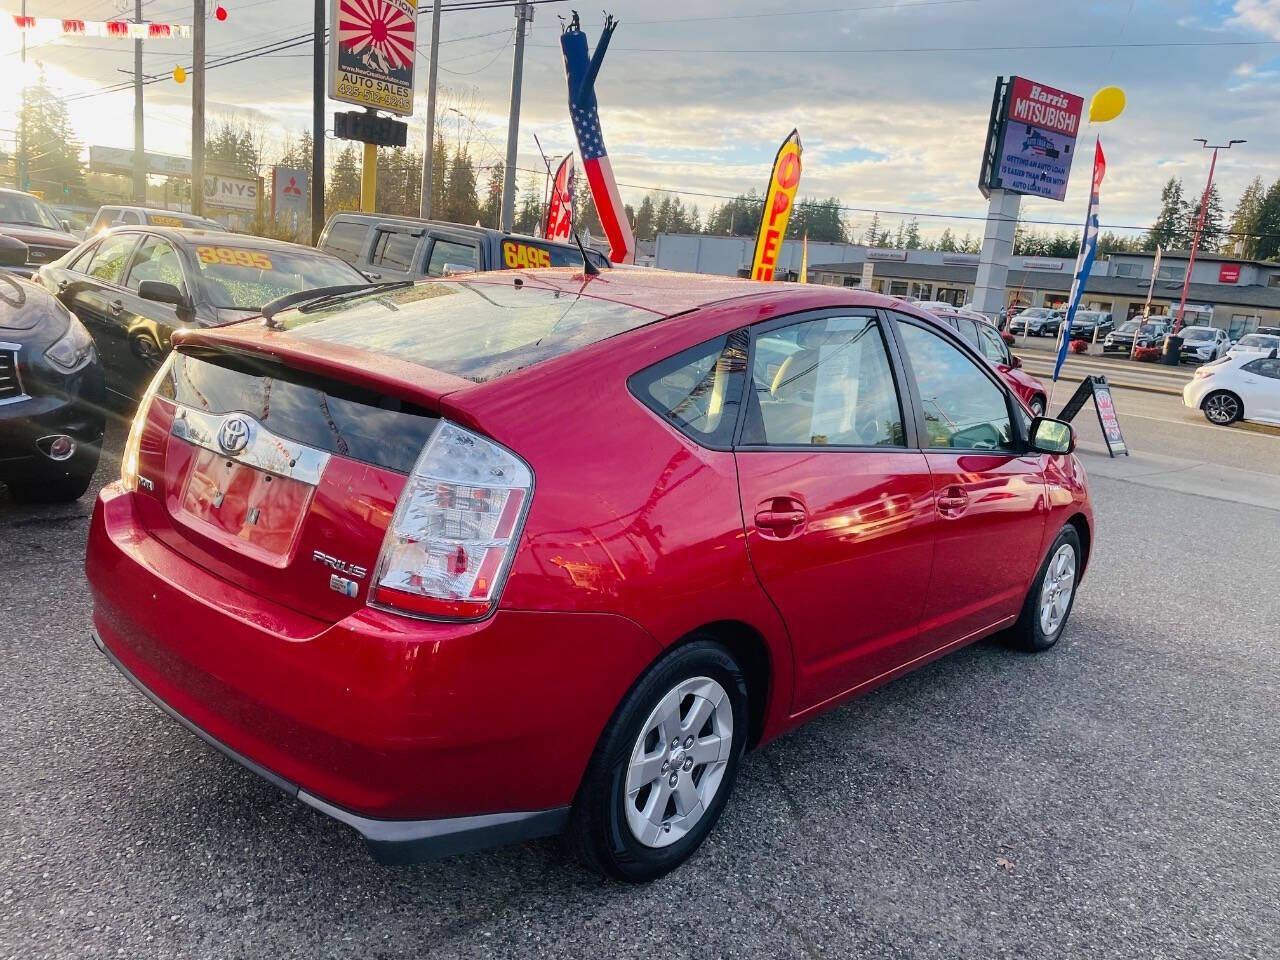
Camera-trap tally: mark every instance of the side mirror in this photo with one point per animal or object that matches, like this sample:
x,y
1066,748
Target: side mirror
x,y
13,252
1052,436
1015,362
161,292
66,225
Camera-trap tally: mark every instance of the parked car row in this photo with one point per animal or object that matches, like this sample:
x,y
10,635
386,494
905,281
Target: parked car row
x,y
982,334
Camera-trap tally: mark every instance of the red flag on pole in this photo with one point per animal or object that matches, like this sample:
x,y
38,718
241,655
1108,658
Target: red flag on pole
x,y
560,209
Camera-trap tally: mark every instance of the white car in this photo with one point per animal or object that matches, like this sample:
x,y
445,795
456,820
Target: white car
x,y
1254,344
1203,344
1246,387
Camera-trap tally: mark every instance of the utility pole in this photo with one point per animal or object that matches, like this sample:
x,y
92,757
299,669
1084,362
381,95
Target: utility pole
x,y
197,108
1204,205
20,167
428,150
317,124
139,147
524,14
369,173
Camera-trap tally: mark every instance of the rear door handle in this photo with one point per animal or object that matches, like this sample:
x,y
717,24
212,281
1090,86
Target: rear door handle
x,y
117,307
953,501
780,517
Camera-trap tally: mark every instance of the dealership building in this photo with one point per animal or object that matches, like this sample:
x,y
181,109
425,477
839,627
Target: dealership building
x,y
1236,295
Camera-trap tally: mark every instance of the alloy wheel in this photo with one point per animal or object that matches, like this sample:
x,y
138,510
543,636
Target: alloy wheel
x,y
678,761
1221,408
1055,592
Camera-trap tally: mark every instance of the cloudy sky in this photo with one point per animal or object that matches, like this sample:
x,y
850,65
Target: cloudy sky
x,y
891,97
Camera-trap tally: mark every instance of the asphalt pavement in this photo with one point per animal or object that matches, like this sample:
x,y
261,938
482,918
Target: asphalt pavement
x,y
1115,797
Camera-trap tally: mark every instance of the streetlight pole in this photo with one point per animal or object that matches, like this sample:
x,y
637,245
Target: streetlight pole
x,y
1204,205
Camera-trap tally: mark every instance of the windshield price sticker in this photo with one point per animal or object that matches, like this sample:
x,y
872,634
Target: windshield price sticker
x,y
230,257
519,256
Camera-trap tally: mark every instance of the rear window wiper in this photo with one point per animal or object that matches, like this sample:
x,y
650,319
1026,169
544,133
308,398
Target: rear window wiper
x,y
323,296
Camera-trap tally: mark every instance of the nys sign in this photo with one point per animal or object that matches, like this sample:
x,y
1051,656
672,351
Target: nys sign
x,y
231,193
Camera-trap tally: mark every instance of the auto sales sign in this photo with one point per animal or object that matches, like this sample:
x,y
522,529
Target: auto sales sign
x,y
371,53
1037,139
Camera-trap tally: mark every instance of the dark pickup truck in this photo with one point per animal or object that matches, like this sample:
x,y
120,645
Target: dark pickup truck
x,y
388,248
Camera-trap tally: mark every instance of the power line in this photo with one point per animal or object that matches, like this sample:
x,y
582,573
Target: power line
x,y
1002,48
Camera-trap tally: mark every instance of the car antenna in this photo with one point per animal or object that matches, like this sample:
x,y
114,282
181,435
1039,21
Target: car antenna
x,y
588,268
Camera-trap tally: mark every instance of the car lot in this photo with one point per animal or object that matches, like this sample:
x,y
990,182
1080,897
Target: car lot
x,y
1115,797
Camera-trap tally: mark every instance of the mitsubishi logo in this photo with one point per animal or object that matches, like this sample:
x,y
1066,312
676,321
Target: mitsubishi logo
x,y
292,187
234,435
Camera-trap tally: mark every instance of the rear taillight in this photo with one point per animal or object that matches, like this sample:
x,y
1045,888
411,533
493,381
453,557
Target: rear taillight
x,y
129,460
455,528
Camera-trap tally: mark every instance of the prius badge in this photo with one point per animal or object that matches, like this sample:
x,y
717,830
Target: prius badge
x,y
234,435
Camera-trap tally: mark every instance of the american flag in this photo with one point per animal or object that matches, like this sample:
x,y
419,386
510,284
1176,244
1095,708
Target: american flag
x,y
580,71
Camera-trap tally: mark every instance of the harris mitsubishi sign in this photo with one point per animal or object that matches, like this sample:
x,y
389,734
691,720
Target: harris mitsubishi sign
x,y
1031,139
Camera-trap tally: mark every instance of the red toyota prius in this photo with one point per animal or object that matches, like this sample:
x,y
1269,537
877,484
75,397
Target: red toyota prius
x,y
489,558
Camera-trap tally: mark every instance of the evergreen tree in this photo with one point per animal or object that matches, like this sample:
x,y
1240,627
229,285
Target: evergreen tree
x,y
491,206
529,205
1169,229
642,226
1212,230
1244,221
50,145
913,235
439,174
460,204
900,238
695,220
1268,242
947,242
343,189
872,233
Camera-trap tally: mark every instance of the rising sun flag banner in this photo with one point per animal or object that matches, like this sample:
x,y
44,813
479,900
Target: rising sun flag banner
x,y
371,53
580,71
1084,261
559,225
778,201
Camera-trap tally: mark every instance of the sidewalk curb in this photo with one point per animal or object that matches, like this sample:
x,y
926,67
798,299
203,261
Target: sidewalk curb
x,y
1119,384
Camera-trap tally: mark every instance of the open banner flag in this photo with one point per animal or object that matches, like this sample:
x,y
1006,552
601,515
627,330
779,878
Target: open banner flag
x,y
559,224
778,201
1084,261
581,70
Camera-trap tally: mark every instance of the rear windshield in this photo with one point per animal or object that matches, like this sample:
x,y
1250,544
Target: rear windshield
x,y
520,253
479,331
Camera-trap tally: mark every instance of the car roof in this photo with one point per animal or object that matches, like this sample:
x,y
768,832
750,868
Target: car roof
x,y
667,293
220,237
373,219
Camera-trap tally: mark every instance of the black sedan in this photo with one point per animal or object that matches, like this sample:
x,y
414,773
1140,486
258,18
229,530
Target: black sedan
x,y
135,286
51,413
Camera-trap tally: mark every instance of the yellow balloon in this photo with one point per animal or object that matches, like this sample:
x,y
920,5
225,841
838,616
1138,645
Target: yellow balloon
x,y
1107,104
179,75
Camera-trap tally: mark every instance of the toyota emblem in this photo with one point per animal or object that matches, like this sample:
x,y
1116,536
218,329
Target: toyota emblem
x,y
234,435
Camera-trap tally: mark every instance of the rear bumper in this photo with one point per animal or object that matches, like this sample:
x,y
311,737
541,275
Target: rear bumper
x,y
427,738
390,841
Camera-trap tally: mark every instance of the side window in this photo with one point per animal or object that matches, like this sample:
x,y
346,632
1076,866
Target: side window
x,y
102,220
81,263
130,218
825,382
993,348
109,260
1266,367
967,330
458,256
963,409
156,260
698,391
394,250
346,239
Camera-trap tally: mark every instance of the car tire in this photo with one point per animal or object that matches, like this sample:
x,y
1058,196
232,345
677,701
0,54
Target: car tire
x,y
629,827
1038,405
1048,604
1222,407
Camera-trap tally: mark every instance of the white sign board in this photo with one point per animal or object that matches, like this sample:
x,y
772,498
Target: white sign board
x,y
372,46
231,193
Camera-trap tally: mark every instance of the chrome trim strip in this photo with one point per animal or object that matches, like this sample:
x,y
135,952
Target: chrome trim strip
x,y
14,349
263,449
